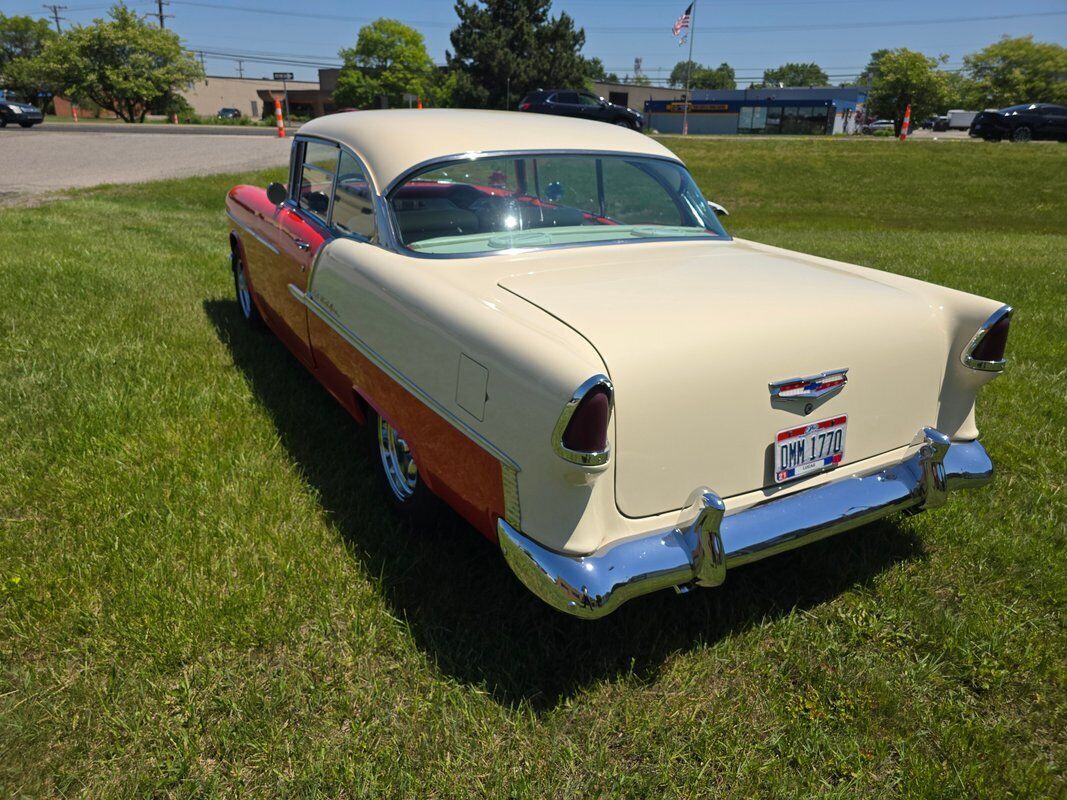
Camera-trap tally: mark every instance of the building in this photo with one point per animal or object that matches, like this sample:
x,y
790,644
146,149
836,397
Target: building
x,y
634,95
826,110
251,96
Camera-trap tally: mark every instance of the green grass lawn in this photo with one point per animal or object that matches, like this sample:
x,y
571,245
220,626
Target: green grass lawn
x,y
203,594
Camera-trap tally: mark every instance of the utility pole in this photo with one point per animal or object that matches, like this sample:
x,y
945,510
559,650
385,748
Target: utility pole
x,y
240,68
201,54
55,14
159,12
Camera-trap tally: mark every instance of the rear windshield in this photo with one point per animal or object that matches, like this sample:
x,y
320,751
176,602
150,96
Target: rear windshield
x,y
501,203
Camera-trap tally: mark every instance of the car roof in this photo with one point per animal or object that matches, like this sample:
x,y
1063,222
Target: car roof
x,y
392,142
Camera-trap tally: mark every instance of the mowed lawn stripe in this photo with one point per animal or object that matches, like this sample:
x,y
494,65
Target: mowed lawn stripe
x,y
204,594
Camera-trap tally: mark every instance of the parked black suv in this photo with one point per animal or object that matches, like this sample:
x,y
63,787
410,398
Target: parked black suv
x,y
23,113
1022,123
575,103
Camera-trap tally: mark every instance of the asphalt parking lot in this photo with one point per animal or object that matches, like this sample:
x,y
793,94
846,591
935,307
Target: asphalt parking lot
x,y
39,161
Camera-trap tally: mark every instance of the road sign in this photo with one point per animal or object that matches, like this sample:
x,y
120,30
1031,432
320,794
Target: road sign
x,y
283,76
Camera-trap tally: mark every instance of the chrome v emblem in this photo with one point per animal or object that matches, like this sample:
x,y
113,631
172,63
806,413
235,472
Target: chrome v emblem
x,y
812,387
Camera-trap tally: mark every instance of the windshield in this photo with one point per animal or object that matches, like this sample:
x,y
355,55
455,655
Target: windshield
x,y
500,203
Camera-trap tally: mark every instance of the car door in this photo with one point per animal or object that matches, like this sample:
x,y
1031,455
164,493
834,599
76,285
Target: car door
x,y
1055,122
566,104
302,225
352,216
591,107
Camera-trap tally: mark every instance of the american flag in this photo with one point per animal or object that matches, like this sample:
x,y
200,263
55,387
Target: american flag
x,y
683,21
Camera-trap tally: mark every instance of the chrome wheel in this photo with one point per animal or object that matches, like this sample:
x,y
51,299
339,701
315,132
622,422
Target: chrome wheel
x,y
397,462
244,296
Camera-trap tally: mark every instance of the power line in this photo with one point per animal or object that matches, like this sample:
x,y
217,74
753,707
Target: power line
x,y
55,14
719,29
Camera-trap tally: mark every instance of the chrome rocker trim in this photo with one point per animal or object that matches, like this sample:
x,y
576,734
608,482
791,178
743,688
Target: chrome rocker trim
x,y
699,554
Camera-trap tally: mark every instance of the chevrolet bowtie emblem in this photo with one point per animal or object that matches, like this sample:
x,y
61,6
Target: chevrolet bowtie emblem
x,y
812,387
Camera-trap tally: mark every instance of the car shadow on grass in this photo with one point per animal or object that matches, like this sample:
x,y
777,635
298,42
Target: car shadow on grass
x,y
463,606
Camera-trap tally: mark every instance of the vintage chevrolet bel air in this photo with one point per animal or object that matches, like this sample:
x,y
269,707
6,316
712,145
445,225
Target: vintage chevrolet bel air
x,y
548,328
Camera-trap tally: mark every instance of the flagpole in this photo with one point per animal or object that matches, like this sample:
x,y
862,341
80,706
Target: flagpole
x,y
689,69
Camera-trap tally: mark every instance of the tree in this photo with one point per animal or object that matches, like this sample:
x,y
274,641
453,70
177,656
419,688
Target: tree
x,y
701,77
123,63
681,69
21,40
903,77
513,44
721,77
389,59
595,71
1018,70
793,74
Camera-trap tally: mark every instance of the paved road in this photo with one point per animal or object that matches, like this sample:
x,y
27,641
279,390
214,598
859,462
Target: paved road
x,y
36,161
164,129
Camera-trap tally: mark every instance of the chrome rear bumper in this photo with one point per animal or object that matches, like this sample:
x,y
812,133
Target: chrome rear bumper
x,y
699,554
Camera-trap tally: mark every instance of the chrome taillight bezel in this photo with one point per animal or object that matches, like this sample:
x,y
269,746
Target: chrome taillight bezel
x,y
594,458
966,356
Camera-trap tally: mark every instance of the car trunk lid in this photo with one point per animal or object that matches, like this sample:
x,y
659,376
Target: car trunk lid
x,y
692,335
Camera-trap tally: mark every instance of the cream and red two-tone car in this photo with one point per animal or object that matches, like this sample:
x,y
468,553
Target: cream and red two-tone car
x,y
549,329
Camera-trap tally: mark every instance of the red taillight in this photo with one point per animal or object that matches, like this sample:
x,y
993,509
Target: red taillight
x,y
992,346
986,350
587,431
523,106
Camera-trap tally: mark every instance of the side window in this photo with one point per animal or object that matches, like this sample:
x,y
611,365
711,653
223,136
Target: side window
x,y
589,100
634,197
316,179
353,202
567,98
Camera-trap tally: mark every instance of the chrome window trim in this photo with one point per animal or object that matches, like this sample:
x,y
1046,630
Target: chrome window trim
x,y
596,458
328,317
518,251
379,207
974,363
373,197
300,166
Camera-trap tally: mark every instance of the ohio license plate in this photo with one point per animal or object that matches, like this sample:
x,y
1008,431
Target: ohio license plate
x,y
809,448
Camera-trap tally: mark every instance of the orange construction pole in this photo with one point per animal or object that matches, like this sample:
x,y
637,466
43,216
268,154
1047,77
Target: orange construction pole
x,y
907,123
278,118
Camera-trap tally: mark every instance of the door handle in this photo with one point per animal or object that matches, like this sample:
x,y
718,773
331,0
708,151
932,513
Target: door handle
x,y
301,244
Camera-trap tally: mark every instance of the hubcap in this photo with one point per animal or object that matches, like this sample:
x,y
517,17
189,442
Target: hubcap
x,y
397,462
244,297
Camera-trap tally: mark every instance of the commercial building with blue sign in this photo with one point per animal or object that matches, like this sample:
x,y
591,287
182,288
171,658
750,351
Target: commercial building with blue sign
x,y
762,111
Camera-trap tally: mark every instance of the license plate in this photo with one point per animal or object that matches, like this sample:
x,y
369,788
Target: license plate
x,y
809,448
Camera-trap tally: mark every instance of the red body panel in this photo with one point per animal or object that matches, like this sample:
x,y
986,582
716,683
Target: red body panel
x,y
453,467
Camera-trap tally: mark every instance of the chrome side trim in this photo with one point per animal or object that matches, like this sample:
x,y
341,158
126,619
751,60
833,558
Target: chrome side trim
x,y
701,552
986,366
596,458
251,232
379,361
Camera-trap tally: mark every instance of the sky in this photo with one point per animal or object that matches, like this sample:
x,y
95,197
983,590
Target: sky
x,y
751,35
